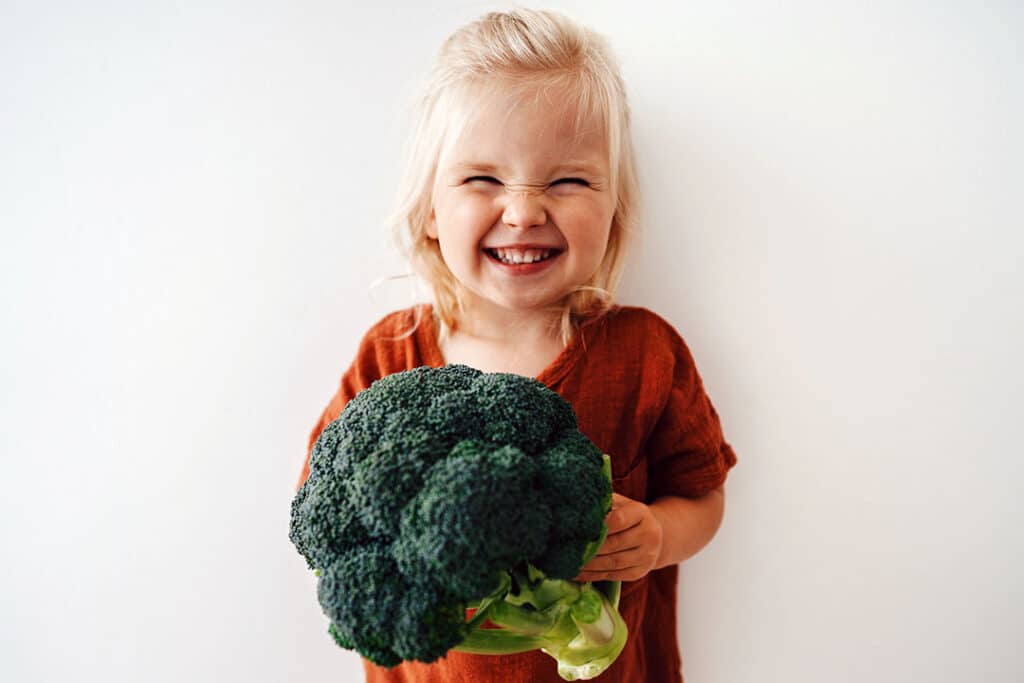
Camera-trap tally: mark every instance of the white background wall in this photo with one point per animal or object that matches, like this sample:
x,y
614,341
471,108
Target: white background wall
x,y
191,204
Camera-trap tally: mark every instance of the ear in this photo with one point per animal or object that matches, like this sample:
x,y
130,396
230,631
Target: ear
x,y
432,226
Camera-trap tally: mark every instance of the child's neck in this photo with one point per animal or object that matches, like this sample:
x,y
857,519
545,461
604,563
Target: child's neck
x,y
504,326
522,343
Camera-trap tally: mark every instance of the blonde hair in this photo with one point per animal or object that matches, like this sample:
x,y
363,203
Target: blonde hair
x,y
522,49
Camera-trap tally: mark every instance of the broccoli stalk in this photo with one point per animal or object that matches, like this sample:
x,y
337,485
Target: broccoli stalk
x,y
576,623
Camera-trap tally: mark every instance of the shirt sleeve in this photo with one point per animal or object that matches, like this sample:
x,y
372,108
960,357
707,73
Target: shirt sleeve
x,y
688,454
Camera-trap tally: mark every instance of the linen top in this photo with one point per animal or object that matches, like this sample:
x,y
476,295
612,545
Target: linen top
x,y
637,394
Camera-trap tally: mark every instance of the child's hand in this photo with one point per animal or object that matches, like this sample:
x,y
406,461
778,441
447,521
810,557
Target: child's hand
x,y
632,546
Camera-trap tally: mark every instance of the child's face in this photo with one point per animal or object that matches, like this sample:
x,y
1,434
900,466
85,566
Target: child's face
x,y
523,177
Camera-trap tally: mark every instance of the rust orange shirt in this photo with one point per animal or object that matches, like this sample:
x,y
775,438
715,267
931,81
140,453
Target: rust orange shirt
x,y
638,396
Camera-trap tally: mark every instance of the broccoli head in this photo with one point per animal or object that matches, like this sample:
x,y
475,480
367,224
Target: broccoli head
x,y
441,489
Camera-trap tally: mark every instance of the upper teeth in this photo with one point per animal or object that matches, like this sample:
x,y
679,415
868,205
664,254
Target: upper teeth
x,y
522,256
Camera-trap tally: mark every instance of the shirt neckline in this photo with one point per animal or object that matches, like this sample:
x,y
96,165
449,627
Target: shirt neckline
x,y
549,376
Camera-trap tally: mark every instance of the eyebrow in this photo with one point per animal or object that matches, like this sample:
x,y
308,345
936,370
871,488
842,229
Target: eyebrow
x,y
471,166
568,167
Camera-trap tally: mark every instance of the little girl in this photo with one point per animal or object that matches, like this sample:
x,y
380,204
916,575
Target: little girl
x,y
519,201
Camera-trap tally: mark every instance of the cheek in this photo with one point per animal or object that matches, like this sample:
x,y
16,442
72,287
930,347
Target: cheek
x,y
465,215
592,224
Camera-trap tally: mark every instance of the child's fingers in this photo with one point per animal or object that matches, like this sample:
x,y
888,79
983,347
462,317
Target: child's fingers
x,y
619,559
631,547
618,542
625,513
629,575
612,562
616,567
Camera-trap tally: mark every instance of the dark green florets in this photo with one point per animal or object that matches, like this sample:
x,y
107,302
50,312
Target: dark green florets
x,y
428,490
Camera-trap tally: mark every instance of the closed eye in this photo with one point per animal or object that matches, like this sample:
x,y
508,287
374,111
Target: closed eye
x,y
572,181
483,178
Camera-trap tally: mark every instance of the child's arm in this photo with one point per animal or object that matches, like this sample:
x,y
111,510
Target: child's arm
x,y
644,537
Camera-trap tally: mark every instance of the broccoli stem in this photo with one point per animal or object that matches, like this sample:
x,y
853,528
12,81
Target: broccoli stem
x,y
612,591
598,644
594,621
496,641
583,631
522,620
483,607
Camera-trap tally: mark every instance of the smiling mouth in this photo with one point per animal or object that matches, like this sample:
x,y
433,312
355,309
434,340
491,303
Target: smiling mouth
x,y
528,257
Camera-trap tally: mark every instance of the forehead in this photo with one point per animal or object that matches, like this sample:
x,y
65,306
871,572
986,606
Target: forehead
x,y
534,126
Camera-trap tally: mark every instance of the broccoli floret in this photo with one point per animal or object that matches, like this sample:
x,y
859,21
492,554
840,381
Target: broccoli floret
x,y
439,489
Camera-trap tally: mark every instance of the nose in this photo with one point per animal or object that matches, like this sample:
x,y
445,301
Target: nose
x,y
524,209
